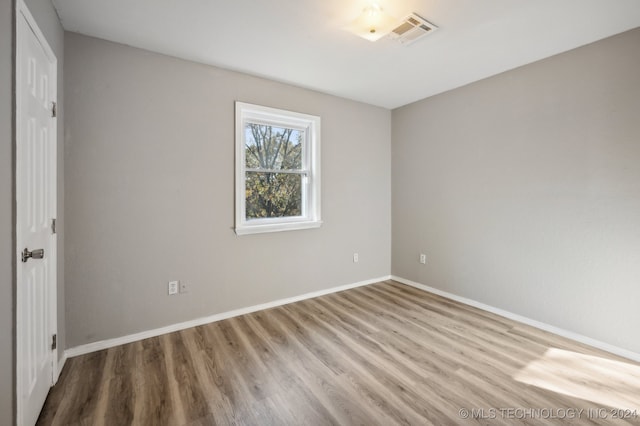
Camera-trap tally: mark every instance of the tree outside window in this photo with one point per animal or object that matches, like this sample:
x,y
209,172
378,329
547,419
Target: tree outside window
x,y
273,159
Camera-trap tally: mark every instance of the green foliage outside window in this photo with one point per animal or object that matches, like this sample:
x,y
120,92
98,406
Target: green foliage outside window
x,y
274,171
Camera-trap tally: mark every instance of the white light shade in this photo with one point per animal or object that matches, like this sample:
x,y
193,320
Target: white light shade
x,y
372,24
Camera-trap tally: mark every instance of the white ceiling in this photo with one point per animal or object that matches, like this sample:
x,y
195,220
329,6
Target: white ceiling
x,y
302,42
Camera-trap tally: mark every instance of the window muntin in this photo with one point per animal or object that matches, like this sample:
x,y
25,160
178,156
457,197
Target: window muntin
x,y
277,170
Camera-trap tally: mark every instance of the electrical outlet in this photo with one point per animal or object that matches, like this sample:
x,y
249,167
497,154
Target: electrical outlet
x,y
423,259
183,287
173,287
355,258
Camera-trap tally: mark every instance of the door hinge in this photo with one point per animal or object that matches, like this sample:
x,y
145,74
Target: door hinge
x,y
54,109
53,226
54,342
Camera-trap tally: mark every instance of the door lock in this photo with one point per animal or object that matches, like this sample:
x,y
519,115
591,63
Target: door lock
x,y
35,254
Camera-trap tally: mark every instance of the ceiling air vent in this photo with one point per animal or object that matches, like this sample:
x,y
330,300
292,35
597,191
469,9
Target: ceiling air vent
x,y
412,29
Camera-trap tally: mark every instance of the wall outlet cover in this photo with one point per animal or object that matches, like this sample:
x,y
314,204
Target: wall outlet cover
x,y
173,287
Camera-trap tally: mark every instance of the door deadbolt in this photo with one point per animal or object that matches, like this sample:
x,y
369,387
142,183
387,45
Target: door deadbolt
x,y
35,254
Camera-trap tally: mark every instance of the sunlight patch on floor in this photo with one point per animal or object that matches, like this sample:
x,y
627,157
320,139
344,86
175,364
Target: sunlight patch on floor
x,y
603,381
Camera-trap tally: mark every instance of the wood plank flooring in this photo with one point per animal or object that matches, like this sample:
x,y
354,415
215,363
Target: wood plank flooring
x,y
383,354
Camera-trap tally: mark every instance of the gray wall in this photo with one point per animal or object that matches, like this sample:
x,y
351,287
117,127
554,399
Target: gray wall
x,y
48,22
150,179
7,316
524,191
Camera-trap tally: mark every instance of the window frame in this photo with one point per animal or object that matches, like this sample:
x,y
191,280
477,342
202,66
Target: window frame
x,y
310,173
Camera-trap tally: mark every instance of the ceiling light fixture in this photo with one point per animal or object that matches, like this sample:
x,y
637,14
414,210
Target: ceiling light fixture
x,y
373,23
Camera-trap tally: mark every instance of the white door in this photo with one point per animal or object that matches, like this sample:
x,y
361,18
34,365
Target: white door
x,y
36,206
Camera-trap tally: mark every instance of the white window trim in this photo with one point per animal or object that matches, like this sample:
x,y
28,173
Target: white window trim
x,y
311,217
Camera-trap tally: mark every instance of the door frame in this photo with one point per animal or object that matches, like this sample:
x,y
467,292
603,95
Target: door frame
x,y
23,13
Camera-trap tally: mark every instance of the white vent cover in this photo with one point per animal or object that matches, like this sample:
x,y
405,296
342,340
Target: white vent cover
x,y
412,29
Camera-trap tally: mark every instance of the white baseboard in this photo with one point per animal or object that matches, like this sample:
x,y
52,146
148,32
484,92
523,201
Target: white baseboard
x,y
109,343
519,318
61,363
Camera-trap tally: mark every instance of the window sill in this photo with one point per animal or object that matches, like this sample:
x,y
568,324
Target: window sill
x,y
276,227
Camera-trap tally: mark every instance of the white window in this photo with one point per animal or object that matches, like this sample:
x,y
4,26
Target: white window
x,y
277,170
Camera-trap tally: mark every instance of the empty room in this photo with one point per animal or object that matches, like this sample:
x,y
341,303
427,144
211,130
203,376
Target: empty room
x,y
320,212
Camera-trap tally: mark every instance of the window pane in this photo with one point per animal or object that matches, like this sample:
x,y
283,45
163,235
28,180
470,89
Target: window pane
x,y
273,148
273,195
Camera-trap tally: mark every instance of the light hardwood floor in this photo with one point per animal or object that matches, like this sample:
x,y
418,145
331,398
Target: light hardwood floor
x,y
383,354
